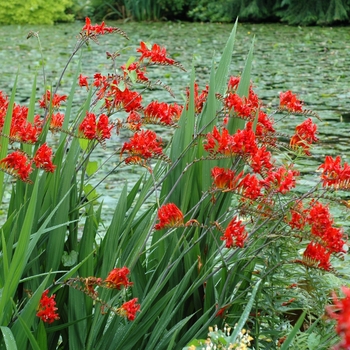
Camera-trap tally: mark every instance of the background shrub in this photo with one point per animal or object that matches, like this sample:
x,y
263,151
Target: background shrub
x,y
34,11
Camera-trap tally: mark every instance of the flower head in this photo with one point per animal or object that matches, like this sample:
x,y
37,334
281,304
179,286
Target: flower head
x,y
91,129
156,54
142,146
289,101
340,311
43,158
316,255
83,81
162,112
47,308
334,174
223,178
129,309
17,164
305,135
90,30
55,101
235,234
117,278
169,215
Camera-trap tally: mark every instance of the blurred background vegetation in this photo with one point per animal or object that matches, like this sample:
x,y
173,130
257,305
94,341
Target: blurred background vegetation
x,y
294,12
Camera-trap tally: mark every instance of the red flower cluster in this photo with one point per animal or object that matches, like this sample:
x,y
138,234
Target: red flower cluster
x,y
325,238
289,101
156,55
17,164
97,29
334,174
235,234
142,146
240,105
43,158
321,223
55,101
91,129
242,143
249,186
126,99
21,130
316,255
117,278
305,135
83,81
56,121
260,160
47,308
340,311
199,98
265,132
223,178
281,180
298,217
162,112
134,68
169,215
129,309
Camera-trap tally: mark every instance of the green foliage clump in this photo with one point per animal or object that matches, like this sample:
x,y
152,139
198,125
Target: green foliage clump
x,y
228,10
34,11
314,12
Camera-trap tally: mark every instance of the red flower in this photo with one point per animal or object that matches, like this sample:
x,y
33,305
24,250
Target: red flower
x,y
21,130
142,145
250,186
134,121
56,121
47,308
321,223
298,217
235,234
340,311
334,174
17,164
126,99
233,83
43,158
281,180
83,81
199,99
55,102
162,112
169,215
217,143
305,135
103,128
118,277
240,105
129,309
290,102
260,160
88,126
98,29
223,178
92,130
135,67
156,55
244,143
316,255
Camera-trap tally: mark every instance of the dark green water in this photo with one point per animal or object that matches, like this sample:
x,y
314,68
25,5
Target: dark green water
x,y
311,61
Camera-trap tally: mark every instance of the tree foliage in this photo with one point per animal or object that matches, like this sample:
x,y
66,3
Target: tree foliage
x,y
34,11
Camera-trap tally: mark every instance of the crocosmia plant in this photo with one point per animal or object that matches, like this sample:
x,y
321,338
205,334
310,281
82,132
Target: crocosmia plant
x,y
217,232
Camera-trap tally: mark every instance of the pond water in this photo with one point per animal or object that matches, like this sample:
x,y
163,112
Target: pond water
x,y
311,61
